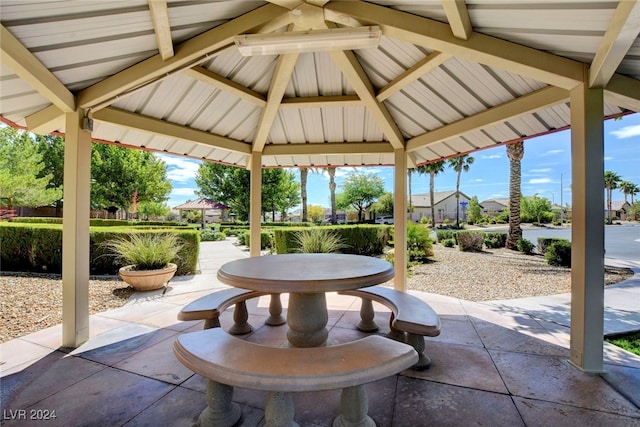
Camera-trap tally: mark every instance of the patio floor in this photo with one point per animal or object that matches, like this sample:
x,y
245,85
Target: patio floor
x,y
494,364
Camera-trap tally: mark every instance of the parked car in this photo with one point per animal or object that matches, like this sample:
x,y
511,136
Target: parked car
x,y
385,220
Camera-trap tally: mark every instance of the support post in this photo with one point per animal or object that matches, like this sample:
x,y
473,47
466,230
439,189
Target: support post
x,y
75,232
587,227
255,204
400,219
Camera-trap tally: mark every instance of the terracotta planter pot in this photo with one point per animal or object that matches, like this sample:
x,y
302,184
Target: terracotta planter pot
x,y
147,280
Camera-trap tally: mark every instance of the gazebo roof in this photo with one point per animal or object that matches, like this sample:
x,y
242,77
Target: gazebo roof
x,y
202,203
447,77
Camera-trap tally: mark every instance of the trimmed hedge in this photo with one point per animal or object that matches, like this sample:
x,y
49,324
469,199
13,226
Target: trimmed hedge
x,y
38,248
558,253
100,222
359,239
266,238
495,239
545,242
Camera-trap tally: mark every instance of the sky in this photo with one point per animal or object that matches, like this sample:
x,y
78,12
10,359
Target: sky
x,y
546,169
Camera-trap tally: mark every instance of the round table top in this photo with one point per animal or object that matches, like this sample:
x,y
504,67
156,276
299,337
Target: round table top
x,y
306,273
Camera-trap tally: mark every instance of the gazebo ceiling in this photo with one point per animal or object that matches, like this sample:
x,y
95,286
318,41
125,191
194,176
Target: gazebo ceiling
x,y
448,77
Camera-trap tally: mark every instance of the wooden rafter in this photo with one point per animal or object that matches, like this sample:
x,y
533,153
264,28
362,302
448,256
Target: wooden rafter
x,y
434,35
279,82
17,57
187,54
427,64
46,120
458,17
321,102
525,104
161,27
327,149
622,32
623,92
217,81
155,126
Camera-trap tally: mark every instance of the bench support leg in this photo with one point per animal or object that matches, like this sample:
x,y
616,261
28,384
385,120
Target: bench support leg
x,y
354,406
275,312
417,342
211,323
367,324
278,411
241,325
220,410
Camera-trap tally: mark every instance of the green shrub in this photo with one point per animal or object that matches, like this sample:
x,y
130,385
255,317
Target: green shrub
x,y
446,234
419,244
559,253
545,242
318,240
209,235
266,238
525,246
495,239
470,240
448,243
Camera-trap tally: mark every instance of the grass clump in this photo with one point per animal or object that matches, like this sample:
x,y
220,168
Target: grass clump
x,y
150,251
318,240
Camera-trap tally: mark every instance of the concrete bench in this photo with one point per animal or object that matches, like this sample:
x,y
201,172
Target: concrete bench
x,y
230,362
409,315
210,307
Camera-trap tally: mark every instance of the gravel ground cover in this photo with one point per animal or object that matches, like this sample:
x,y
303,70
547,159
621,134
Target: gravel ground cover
x,y
31,302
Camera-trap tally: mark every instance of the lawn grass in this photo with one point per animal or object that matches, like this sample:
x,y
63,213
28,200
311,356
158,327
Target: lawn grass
x,y
630,343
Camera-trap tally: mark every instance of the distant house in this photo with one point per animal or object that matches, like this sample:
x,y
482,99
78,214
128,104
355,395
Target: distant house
x,y
493,207
619,210
444,204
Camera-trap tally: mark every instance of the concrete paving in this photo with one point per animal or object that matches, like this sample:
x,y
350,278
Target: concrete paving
x,y
497,364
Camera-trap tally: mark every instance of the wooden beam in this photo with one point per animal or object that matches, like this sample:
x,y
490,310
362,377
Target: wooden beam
x,y
15,56
533,101
279,82
46,120
321,102
458,17
355,74
327,148
623,92
227,85
160,127
187,54
426,65
622,32
480,48
161,27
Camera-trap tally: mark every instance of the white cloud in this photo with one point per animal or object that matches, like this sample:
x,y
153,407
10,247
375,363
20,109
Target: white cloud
x,y
552,152
184,191
540,181
478,180
608,158
545,170
180,169
492,156
627,132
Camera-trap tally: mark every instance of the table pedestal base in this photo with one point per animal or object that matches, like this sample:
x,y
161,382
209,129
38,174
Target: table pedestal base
x,y
307,318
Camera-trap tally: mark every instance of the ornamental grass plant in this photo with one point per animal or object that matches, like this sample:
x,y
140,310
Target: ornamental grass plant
x,y
146,251
318,240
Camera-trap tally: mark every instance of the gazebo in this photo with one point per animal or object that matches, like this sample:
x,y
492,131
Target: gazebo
x,y
203,205
318,83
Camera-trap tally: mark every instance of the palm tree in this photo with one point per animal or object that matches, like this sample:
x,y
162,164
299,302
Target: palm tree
x,y
304,172
611,182
432,169
515,152
627,188
409,207
332,188
460,164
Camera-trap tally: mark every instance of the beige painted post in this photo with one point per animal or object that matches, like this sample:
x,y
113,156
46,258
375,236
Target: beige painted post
x,y
400,216
587,228
255,204
75,232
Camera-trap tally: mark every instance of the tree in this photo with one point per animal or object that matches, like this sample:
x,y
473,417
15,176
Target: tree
x,y
316,213
515,152
22,182
460,164
360,191
611,182
384,205
432,169
232,186
332,189
52,149
118,173
304,173
152,210
535,207
628,188
474,212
